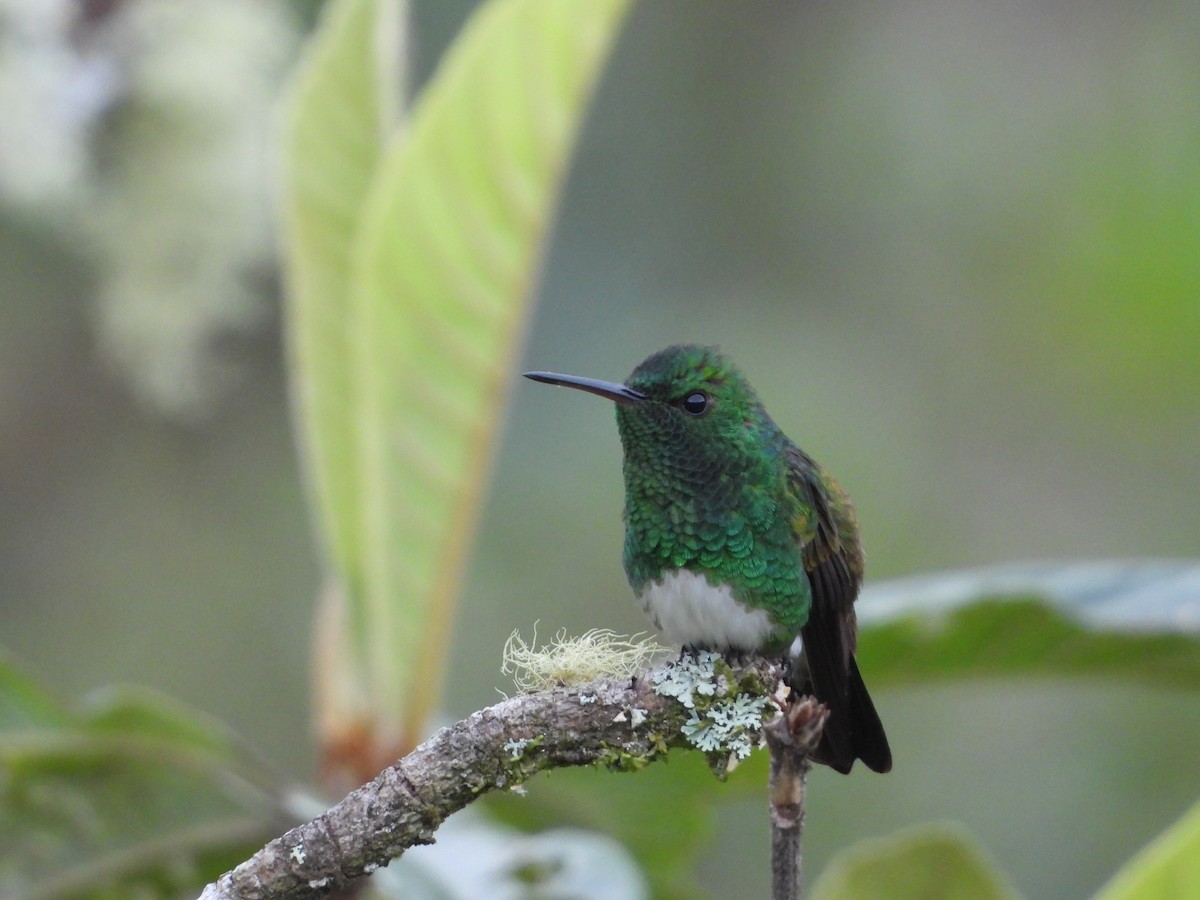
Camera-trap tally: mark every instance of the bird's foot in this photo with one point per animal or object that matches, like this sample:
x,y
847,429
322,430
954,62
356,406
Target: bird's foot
x,y
693,651
738,657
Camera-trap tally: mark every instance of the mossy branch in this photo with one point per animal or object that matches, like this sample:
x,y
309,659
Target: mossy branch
x,y
624,724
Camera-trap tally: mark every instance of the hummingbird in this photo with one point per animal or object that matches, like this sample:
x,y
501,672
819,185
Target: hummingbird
x,y
736,540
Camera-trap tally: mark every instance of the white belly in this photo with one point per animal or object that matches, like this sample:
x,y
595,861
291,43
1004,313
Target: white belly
x,y
690,611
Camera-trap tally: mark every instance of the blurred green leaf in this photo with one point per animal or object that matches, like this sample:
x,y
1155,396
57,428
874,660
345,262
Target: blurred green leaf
x,y
23,703
442,270
925,863
1137,620
130,795
1119,595
125,710
1021,635
1168,868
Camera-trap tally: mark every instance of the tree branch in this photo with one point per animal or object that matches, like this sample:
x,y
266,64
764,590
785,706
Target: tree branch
x,y
623,725
791,737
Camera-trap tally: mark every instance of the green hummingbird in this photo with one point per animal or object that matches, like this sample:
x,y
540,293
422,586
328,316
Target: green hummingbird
x,y
736,539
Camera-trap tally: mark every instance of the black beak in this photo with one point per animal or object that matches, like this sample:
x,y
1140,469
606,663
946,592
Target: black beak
x,y
609,389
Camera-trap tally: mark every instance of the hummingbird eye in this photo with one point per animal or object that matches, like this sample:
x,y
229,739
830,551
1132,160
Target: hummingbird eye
x,y
696,403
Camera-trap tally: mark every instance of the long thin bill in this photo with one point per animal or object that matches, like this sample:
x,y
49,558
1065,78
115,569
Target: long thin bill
x,y
608,389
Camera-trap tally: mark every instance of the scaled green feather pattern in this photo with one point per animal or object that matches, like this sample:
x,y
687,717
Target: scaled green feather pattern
x,y
710,495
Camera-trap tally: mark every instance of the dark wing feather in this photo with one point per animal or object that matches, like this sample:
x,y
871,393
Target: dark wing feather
x,y
833,560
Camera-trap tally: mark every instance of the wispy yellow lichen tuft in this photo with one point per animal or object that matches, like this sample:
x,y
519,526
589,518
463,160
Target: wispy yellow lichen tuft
x,y
575,660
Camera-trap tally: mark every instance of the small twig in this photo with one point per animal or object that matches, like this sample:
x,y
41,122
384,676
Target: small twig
x,y
622,724
791,737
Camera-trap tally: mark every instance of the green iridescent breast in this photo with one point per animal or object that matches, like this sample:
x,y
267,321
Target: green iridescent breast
x,y
722,509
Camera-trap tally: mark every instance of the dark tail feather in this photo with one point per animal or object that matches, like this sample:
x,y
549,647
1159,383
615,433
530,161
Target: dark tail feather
x,y
853,730
867,739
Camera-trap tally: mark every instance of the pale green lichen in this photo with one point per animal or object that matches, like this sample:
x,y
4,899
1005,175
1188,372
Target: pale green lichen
x,y
728,726
690,676
598,653
722,722
516,747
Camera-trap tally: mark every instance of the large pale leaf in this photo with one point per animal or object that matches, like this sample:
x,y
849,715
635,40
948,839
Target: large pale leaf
x,y
128,794
1168,868
927,862
1129,595
443,268
344,102
1133,619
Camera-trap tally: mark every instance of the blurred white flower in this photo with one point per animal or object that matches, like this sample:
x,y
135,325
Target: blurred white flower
x,y
143,137
49,97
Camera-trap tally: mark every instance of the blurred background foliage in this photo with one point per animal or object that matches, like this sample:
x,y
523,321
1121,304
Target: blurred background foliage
x,y
956,246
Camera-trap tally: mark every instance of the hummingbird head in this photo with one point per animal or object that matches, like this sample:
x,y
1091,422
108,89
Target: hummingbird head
x,y
684,413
